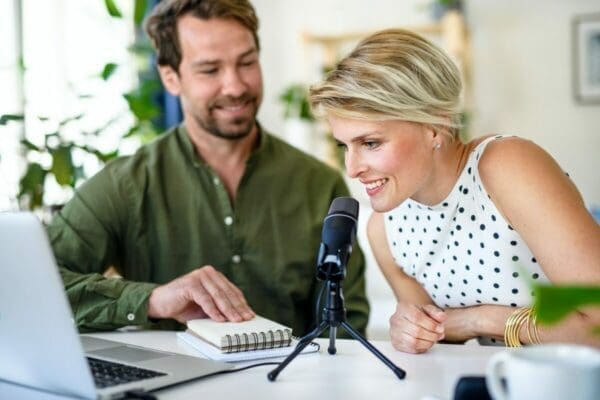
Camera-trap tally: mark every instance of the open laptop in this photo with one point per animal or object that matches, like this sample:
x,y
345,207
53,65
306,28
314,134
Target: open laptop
x,y
39,343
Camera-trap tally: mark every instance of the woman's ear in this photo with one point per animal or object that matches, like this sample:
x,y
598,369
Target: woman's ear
x,y
435,136
432,133
170,79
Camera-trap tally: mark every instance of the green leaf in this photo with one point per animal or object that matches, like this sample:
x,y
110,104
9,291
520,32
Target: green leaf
x,y
131,132
32,185
62,166
104,157
142,48
141,105
70,119
5,118
139,11
30,146
108,70
295,101
21,65
144,130
112,9
553,303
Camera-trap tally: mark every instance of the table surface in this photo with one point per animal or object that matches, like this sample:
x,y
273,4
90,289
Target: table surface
x,y
352,373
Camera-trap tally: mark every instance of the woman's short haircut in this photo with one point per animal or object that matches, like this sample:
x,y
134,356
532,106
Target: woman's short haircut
x,y
394,74
161,24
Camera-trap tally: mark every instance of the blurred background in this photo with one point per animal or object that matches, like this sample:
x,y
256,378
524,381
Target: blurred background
x,y
79,86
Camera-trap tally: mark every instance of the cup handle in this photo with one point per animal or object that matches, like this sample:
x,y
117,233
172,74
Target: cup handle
x,y
494,375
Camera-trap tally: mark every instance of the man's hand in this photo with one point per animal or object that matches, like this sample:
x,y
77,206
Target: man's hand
x,y
204,292
415,329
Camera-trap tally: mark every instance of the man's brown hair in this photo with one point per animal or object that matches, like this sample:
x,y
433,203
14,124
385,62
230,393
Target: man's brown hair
x,y
161,24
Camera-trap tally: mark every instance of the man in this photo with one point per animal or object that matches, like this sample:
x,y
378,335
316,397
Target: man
x,y
216,218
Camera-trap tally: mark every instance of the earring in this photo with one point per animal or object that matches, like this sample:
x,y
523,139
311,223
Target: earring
x,y
437,146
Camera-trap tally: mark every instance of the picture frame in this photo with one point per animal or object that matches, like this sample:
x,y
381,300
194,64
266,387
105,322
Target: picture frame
x,y
586,57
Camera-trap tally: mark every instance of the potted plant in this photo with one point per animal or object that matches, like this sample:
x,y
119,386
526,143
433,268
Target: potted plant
x,y
299,128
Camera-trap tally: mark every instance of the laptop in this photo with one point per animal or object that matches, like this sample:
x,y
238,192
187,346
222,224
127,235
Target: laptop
x,y
39,343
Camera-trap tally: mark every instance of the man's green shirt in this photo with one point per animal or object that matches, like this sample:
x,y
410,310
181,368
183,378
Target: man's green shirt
x,y
164,212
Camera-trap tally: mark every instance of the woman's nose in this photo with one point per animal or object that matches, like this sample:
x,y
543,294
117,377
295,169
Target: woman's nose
x,y
354,164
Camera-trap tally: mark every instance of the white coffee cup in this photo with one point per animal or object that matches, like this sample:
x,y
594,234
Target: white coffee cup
x,y
549,372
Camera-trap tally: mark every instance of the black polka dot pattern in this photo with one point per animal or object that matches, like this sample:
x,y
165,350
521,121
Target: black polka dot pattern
x,y
461,250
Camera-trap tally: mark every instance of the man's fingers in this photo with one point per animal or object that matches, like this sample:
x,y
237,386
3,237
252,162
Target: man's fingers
x,y
239,302
210,293
204,300
227,298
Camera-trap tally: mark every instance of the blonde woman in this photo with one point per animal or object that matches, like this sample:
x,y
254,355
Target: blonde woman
x,y
460,230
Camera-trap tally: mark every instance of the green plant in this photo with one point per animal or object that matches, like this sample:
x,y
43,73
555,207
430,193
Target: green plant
x,y
295,102
62,167
553,303
59,150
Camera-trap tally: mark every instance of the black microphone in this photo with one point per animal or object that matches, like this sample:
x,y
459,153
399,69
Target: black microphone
x,y
337,238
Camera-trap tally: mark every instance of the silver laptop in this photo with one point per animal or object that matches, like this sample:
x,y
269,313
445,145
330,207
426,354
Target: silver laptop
x,y
39,343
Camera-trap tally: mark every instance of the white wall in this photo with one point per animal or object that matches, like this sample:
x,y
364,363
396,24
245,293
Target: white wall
x,y
522,82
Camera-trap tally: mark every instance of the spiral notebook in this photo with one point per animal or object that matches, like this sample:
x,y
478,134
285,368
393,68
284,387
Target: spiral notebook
x,y
211,352
231,337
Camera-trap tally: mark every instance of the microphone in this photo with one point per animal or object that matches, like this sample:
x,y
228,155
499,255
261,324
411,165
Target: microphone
x,y
337,238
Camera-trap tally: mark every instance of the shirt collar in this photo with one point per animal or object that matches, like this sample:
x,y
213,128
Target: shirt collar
x,y
198,161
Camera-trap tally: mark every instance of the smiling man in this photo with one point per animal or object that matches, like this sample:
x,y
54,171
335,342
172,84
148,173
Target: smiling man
x,y
216,218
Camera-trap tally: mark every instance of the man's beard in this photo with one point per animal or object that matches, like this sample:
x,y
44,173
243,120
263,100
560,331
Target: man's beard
x,y
242,126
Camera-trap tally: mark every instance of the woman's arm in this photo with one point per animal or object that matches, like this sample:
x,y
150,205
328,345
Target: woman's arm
x,y
417,323
541,203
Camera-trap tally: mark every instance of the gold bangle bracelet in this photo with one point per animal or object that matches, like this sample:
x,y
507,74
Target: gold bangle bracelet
x,y
532,328
536,332
513,325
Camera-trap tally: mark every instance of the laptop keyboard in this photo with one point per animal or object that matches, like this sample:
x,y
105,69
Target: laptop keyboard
x,y
107,374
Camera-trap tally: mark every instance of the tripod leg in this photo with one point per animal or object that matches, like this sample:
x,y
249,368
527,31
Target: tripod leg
x,y
400,373
332,333
302,343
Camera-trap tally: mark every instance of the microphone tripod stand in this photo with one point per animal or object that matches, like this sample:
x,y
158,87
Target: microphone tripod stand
x,y
333,316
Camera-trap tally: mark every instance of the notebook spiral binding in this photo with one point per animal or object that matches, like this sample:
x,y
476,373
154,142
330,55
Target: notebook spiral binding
x,y
233,343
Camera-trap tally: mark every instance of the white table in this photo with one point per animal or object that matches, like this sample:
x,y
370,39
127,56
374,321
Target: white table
x,y
353,373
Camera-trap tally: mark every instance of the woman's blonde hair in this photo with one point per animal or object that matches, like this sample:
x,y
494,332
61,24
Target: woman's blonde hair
x,y
394,74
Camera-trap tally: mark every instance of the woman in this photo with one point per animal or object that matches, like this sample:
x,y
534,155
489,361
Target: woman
x,y
460,230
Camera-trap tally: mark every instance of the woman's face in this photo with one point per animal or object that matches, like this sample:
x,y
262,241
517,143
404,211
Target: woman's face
x,y
392,159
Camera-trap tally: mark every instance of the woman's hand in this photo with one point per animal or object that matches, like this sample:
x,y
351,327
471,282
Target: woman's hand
x,y
415,328
460,324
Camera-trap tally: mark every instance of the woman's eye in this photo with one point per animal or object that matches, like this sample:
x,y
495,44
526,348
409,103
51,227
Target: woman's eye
x,y
342,146
371,144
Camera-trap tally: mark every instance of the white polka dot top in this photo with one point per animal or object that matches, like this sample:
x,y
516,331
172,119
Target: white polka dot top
x,y
462,251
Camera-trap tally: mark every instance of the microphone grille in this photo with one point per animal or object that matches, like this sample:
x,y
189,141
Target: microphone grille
x,y
344,205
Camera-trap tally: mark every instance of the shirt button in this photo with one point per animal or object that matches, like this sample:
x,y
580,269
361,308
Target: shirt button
x,y
228,220
236,259
130,316
216,181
